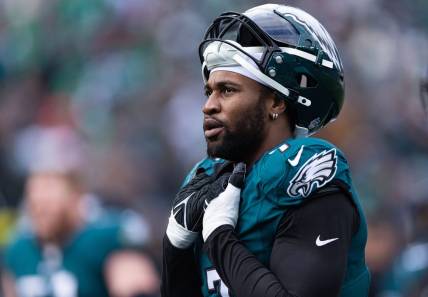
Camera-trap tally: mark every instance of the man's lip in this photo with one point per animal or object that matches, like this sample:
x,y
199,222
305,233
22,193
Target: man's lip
x,y
211,123
210,133
212,127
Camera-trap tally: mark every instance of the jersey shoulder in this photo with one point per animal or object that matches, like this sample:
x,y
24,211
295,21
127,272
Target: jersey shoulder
x,y
124,227
22,240
208,165
20,253
298,167
98,240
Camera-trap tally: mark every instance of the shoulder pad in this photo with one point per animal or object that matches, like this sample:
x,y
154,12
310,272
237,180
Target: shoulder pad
x,y
297,168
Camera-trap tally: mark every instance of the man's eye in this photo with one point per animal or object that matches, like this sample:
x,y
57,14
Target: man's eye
x,y
227,90
208,93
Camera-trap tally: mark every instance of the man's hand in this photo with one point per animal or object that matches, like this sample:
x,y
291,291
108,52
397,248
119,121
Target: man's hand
x,y
185,220
186,212
224,209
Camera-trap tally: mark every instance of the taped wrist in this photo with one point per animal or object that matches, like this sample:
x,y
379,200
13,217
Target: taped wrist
x,y
222,211
179,236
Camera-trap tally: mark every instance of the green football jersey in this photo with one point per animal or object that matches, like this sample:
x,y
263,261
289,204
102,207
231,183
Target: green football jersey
x,y
286,176
73,270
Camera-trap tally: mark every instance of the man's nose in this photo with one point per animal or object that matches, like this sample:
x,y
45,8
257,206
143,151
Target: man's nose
x,y
212,105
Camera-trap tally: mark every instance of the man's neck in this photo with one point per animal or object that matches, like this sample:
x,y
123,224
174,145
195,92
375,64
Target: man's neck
x,y
277,132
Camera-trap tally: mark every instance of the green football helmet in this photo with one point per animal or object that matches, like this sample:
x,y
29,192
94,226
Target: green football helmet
x,y
289,51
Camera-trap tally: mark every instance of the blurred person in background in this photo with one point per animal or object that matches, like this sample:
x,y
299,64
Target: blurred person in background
x,y
384,245
397,249
407,275
406,271
69,250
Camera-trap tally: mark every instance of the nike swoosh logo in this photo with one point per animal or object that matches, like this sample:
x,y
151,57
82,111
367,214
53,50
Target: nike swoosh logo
x,y
296,160
184,202
320,242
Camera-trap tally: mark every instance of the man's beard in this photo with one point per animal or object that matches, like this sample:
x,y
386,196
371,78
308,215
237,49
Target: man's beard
x,y
245,140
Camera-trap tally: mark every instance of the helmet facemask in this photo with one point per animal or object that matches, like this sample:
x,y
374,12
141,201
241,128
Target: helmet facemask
x,y
234,39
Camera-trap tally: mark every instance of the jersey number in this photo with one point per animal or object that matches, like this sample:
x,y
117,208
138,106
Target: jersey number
x,y
215,284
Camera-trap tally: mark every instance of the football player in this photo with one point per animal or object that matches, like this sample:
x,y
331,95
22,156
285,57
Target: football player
x,y
73,249
270,211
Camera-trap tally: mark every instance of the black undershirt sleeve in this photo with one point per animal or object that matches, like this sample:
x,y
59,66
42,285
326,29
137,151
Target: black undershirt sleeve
x,y
180,274
305,260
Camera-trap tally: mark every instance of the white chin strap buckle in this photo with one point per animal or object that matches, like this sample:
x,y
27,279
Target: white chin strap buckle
x,y
304,101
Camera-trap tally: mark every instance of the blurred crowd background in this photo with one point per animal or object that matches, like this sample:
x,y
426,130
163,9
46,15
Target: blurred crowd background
x,y
114,89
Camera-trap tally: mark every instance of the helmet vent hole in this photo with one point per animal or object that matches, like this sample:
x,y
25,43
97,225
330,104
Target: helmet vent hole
x,y
306,81
303,81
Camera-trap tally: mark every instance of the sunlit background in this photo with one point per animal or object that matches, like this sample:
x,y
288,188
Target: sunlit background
x,y
114,87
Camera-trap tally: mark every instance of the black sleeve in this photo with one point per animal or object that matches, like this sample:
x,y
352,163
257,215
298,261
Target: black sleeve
x,y
308,257
180,274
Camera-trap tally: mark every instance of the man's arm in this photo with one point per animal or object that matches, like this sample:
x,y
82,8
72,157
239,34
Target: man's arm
x,y
180,274
301,264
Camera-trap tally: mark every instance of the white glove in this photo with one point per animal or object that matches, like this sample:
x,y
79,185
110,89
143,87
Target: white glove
x,y
224,209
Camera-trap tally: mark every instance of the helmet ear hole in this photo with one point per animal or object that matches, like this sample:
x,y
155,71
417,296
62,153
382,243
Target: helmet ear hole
x,y
306,80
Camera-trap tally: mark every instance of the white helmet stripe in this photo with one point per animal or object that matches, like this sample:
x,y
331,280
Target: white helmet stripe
x,y
289,50
305,55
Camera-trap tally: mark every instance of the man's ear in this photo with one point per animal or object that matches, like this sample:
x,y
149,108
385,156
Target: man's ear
x,y
277,104
274,103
